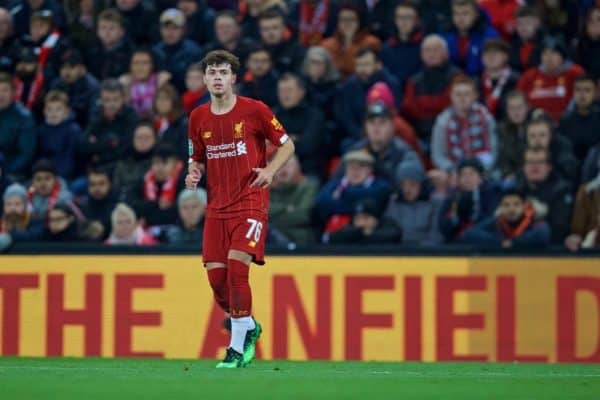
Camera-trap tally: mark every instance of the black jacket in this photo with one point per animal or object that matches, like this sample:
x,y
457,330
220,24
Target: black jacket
x,y
177,135
100,210
263,89
141,23
103,63
581,130
287,56
82,95
17,139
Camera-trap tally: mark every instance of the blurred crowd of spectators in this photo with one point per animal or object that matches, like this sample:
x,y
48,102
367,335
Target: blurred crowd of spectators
x,y
416,122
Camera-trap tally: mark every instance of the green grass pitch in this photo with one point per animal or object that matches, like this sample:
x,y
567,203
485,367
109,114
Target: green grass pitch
x,y
112,379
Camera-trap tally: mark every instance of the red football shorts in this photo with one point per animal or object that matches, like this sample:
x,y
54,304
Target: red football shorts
x,y
247,234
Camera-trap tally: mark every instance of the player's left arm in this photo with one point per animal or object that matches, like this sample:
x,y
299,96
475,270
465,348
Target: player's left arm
x,y
265,175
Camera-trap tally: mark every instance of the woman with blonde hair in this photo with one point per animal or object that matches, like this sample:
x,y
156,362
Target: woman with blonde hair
x,y
321,77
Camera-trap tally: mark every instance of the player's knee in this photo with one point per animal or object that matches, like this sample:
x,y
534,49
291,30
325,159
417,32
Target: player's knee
x,y
238,275
241,256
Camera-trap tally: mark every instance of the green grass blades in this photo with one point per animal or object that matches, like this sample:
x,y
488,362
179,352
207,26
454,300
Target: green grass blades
x,y
113,379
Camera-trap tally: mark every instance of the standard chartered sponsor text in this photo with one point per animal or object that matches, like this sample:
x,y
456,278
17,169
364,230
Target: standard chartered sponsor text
x,y
216,151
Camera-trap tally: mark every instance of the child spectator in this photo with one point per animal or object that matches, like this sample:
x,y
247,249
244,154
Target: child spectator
x,y
466,129
518,224
170,120
550,86
196,93
471,29
46,189
191,206
126,229
110,57
59,135
142,82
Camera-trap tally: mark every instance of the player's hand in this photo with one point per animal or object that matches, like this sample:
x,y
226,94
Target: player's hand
x,y
194,175
264,178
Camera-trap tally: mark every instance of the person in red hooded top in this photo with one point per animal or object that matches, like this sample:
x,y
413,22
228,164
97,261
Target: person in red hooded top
x,y
550,86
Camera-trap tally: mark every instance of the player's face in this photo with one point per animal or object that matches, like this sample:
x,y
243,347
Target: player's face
x,y
191,212
512,208
410,189
585,93
14,206
98,186
43,183
539,135
5,24
219,79
58,221
516,110
358,172
468,179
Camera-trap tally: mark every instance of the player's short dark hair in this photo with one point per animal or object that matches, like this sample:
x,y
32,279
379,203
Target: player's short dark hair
x,y
112,85
585,78
513,191
290,76
271,13
43,165
218,57
363,51
527,11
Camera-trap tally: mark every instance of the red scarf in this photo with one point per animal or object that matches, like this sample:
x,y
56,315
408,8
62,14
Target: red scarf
x,y
169,187
467,137
491,92
52,199
35,90
511,232
313,21
190,99
46,49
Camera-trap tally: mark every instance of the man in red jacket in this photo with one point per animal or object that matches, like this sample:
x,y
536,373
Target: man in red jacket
x,y
550,86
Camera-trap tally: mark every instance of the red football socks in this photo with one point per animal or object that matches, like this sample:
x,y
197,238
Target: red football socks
x,y
239,289
218,281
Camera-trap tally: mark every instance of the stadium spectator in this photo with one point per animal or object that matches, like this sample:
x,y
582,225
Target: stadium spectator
x,y
126,229
400,52
82,22
260,80
465,129
191,206
16,217
142,82
541,183
292,197
350,102
65,225
540,133
337,199
17,131
110,56
585,213
587,51
155,196
561,17
200,20
471,29
427,93
387,150
250,10
101,199
287,53
502,14
316,20
413,210
303,122
497,78
130,170
473,200
23,10
350,36
47,189
8,45
196,93
322,78
511,137
591,166
170,119
518,224
436,15
58,137
29,82
526,43
140,19
228,36
366,227
175,52
81,87
108,135
581,124
550,86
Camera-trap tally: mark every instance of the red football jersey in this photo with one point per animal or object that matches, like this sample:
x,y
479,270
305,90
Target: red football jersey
x,y
231,145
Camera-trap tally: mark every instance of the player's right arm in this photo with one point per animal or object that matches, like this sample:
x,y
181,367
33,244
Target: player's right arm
x,y
196,164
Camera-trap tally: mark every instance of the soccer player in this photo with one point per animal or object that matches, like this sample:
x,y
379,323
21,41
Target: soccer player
x,y
228,141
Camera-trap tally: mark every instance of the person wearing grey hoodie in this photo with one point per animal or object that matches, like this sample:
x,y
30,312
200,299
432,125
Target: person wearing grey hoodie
x,y
412,208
